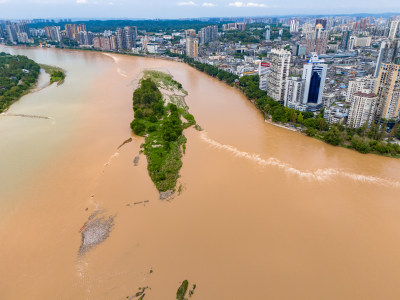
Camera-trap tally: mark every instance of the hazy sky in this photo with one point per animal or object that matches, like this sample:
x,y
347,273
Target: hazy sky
x,y
11,9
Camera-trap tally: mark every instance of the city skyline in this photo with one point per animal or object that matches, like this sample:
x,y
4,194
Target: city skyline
x,y
100,9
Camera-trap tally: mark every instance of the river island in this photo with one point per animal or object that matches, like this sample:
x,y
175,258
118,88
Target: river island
x,y
161,115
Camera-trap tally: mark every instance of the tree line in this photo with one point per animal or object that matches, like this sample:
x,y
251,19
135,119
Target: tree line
x,y
17,75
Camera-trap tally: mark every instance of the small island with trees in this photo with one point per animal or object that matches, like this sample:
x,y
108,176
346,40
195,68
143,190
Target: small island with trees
x,y
18,75
161,115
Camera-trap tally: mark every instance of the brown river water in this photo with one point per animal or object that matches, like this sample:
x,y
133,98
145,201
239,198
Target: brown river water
x,y
265,213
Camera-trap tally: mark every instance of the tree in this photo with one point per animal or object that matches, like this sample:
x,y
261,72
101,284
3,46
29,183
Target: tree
x,y
333,136
360,144
138,127
292,116
394,131
300,118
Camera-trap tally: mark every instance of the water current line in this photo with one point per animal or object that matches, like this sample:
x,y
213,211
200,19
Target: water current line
x,y
320,175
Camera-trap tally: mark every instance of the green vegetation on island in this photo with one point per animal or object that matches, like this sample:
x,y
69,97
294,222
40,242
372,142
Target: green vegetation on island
x,y
182,290
56,74
18,74
161,117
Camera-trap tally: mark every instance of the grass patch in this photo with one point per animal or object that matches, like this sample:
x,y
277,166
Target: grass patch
x,y
56,74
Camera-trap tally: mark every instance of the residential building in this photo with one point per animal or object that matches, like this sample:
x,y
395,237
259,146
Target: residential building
x,y
263,70
294,92
71,31
192,46
130,37
279,72
208,34
85,38
317,40
81,27
120,34
390,50
53,33
11,32
126,37
268,34
394,27
294,25
362,110
344,43
388,90
364,85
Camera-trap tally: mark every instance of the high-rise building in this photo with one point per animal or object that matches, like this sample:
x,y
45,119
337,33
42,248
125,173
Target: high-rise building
x,y
22,37
192,46
22,27
362,110
241,26
113,42
1,32
126,37
314,74
263,70
11,32
268,34
394,26
388,90
352,42
294,92
85,38
53,33
294,25
81,27
279,72
364,85
344,43
130,37
208,34
71,31
102,42
317,40
390,50
120,33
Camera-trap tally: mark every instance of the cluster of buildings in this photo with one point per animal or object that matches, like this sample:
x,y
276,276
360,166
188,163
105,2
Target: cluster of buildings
x,y
348,66
15,32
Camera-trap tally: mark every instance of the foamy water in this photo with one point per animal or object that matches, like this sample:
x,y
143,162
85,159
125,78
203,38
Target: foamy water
x,y
317,175
116,59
